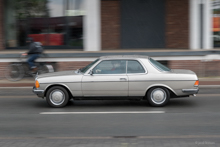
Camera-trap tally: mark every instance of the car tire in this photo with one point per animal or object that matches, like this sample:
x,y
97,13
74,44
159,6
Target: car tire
x,y
57,97
158,96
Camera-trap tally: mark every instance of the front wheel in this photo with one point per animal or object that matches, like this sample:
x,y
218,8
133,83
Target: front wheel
x,y
57,97
158,96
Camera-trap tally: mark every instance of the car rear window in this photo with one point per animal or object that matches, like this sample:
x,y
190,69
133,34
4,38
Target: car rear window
x,y
158,65
135,67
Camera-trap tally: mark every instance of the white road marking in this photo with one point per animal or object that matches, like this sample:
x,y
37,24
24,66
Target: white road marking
x,y
113,137
119,112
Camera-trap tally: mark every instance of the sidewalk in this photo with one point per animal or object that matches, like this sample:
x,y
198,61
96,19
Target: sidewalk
x,y
29,82
214,81
26,82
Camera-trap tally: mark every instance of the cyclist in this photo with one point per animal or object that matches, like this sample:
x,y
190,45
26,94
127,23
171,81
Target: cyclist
x,y
35,49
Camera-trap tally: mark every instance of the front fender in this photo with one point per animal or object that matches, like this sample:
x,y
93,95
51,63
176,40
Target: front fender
x,y
56,84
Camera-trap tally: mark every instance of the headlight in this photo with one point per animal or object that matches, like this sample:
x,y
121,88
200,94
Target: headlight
x,y
37,85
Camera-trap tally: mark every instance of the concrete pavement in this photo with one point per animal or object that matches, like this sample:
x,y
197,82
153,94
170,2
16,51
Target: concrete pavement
x,y
187,122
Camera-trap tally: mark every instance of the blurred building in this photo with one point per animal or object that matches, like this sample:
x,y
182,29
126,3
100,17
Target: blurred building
x,y
94,25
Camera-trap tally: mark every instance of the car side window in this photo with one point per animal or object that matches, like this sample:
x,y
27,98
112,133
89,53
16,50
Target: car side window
x,y
111,67
134,67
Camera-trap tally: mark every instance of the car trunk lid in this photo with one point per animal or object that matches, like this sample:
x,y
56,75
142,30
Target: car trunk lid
x,y
182,71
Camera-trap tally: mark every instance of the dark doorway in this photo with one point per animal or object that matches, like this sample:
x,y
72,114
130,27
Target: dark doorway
x,y
143,24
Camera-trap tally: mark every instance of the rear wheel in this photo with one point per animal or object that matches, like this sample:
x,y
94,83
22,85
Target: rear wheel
x,y
14,72
57,97
158,96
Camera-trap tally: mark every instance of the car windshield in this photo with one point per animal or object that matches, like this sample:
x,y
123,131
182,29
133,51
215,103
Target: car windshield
x,y
84,69
159,66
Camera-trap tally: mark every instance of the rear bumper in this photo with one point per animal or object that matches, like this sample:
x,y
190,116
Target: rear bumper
x,y
190,91
39,93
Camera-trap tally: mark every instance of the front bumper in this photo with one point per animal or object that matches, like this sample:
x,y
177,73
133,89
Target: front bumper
x,y
39,93
190,91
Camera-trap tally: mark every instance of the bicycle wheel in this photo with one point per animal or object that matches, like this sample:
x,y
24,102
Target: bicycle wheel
x,y
2,70
14,72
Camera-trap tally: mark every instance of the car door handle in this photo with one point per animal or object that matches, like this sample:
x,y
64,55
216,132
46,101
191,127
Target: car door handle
x,y
123,79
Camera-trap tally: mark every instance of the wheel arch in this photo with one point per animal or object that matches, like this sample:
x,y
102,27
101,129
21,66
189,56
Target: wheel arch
x,y
61,85
172,92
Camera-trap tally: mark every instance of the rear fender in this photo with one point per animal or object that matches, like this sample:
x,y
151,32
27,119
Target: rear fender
x,y
161,85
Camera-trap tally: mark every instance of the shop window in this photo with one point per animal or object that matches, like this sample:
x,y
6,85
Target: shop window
x,y
54,23
216,22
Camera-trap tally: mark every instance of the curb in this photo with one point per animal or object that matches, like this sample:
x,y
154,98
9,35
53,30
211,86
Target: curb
x,y
209,82
209,86
17,84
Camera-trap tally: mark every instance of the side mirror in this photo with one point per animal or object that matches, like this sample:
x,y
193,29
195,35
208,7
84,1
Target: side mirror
x,y
91,72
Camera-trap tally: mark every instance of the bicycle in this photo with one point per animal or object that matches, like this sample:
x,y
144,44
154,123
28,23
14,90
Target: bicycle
x,y
2,70
18,70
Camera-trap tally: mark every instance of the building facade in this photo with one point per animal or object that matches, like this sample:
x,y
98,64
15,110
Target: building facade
x,y
94,25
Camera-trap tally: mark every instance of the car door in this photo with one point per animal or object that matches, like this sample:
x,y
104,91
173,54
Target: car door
x,y
106,80
137,78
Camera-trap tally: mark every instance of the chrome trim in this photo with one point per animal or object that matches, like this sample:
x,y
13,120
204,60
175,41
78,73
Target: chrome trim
x,y
123,79
190,91
137,81
156,80
131,74
138,60
36,75
108,74
104,81
59,83
39,93
115,81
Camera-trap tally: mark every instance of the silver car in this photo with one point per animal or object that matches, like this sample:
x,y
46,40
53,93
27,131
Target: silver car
x,y
117,77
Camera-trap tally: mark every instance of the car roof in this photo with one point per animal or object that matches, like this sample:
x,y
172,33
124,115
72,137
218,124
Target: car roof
x,y
124,57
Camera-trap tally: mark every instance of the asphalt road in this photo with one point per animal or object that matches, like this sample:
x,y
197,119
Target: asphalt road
x,y
26,120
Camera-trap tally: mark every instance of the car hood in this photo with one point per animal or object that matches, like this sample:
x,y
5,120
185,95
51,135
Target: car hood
x,y
182,71
61,73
